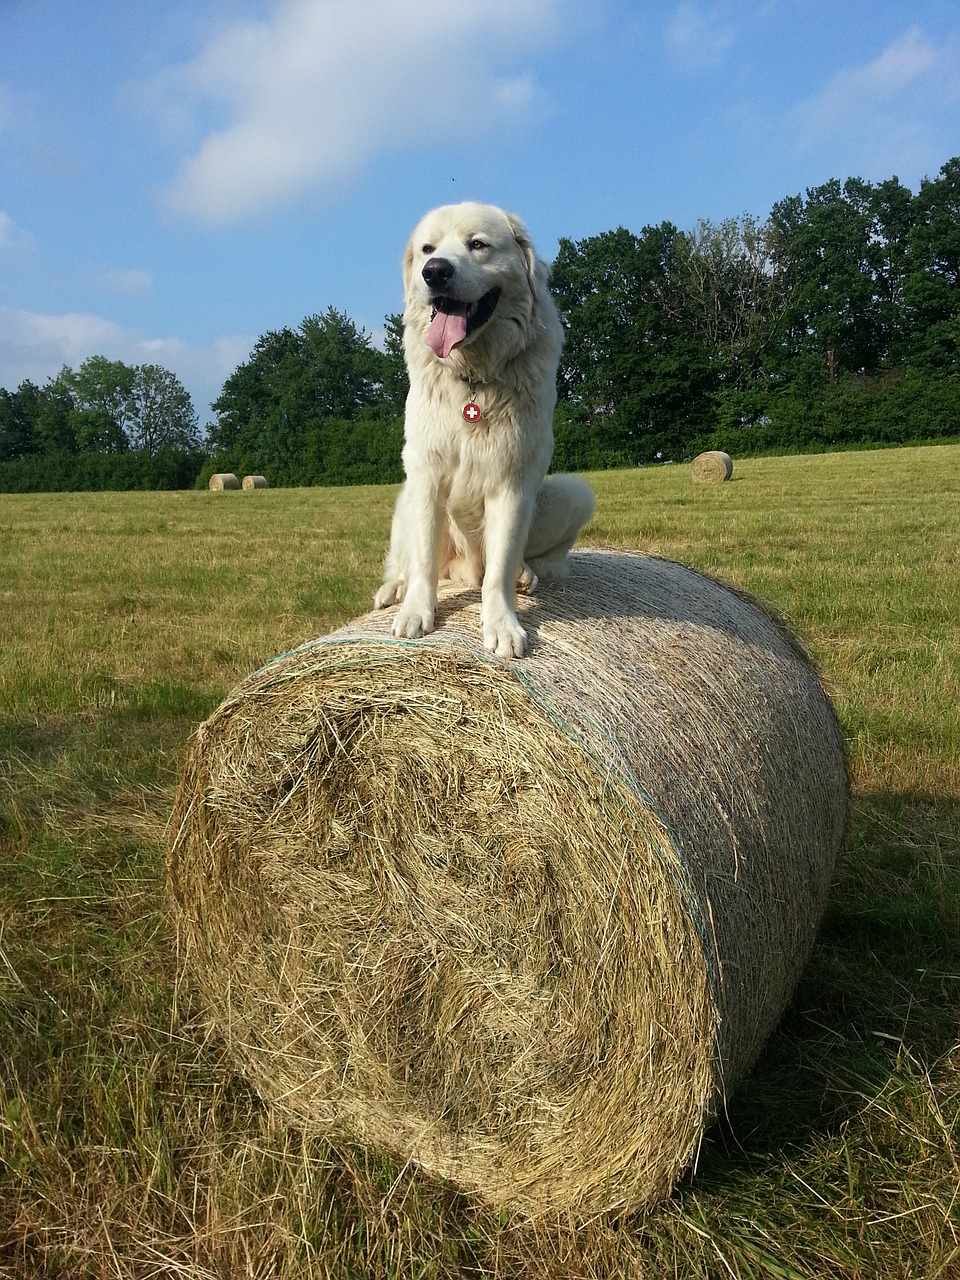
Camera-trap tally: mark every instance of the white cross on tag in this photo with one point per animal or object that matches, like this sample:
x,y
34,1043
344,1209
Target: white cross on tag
x,y
471,412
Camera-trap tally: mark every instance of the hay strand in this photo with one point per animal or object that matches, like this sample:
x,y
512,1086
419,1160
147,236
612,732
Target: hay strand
x,y
524,923
224,480
713,467
254,482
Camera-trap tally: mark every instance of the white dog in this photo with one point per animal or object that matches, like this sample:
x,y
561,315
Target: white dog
x,y
482,340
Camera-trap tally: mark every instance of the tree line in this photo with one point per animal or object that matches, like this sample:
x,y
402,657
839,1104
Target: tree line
x,y
106,425
833,323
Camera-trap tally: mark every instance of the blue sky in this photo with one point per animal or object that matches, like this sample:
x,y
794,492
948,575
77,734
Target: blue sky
x,y
179,176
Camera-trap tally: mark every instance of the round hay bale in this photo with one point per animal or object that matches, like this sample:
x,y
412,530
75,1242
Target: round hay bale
x,y
527,924
254,482
224,480
712,467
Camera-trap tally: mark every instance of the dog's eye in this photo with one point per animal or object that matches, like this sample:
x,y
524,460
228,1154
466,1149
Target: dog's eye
x,y
427,248
477,245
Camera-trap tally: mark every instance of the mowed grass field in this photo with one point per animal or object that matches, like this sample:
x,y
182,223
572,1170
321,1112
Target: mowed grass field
x,y
129,1147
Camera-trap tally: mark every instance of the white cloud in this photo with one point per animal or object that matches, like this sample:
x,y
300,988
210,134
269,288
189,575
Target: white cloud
x,y
894,112
132,283
36,346
698,37
12,236
306,98
202,369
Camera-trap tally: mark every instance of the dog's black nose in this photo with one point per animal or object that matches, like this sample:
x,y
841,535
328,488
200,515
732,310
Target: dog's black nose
x,y
438,273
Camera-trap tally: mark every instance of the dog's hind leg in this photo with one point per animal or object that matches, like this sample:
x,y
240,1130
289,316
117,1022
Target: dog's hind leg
x,y
564,505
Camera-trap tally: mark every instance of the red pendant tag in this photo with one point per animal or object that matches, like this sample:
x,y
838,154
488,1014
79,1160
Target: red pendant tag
x,y
471,412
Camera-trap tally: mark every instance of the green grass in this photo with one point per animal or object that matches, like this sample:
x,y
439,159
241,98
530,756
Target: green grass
x,y
129,1148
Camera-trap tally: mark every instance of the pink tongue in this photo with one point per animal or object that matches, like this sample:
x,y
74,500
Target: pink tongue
x,y
446,330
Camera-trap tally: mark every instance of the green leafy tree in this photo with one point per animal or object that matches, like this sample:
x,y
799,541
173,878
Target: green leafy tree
x,y
824,251
159,413
734,299
112,407
251,413
634,376
344,370
105,425
279,411
19,411
932,288
55,421
100,391
396,382
892,210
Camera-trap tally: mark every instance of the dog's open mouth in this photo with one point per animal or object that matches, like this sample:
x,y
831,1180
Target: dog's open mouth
x,y
454,321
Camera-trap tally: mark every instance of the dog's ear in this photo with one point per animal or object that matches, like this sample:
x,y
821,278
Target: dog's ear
x,y
522,237
407,267
533,265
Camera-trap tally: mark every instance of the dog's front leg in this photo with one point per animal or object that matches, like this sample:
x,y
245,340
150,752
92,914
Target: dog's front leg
x,y
415,616
506,520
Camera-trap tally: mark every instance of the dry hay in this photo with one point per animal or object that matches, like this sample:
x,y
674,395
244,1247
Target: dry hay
x,y
526,924
254,482
224,480
712,467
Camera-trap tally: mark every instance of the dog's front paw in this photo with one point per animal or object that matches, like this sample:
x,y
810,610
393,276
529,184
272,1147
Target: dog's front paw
x,y
392,592
411,623
504,636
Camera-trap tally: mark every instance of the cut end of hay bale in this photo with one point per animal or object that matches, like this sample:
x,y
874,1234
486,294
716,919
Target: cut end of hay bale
x,y
524,924
224,480
713,467
254,482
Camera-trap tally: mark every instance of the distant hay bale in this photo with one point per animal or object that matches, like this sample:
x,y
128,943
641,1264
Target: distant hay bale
x,y
712,467
526,924
254,482
224,480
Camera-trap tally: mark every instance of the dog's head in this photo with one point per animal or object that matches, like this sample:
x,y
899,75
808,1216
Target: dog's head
x,y
470,274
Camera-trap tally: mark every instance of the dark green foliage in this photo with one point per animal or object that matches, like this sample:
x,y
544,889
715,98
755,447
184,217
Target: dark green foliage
x,y
319,405
900,406
332,451
105,425
159,413
79,472
632,374
396,384
36,420
98,393
834,324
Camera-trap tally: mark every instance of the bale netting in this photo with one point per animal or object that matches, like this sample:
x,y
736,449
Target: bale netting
x,y
254,482
526,924
224,480
713,467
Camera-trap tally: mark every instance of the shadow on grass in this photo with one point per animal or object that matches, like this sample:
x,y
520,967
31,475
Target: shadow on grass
x,y
883,981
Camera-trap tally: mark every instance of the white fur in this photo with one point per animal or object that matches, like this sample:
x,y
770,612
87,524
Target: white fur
x,y
476,505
